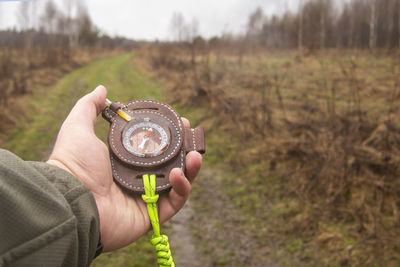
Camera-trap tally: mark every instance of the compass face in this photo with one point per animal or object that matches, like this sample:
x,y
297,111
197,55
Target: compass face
x,y
145,139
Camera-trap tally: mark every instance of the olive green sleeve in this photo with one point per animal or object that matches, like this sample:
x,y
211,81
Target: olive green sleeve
x,y
47,216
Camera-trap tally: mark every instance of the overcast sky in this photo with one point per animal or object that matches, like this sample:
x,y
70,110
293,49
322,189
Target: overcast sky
x,y
150,19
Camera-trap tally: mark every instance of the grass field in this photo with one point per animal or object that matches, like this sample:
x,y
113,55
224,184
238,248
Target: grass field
x,y
307,147
301,165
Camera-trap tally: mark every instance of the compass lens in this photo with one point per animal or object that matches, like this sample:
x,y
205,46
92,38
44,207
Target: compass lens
x,y
145,139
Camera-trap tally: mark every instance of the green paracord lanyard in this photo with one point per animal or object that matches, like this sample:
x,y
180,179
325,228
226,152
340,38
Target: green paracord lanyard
x,y
160,242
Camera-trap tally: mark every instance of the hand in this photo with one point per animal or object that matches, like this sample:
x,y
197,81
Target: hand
x,y
123,218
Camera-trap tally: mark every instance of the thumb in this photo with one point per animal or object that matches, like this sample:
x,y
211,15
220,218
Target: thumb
x,y
87,108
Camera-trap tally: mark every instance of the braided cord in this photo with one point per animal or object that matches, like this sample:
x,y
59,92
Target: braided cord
x,y
160,242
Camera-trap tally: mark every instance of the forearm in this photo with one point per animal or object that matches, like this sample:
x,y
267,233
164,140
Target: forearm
x,y
48,217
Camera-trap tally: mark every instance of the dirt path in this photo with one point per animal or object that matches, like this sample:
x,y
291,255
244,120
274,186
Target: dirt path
x,y
182,240
208,231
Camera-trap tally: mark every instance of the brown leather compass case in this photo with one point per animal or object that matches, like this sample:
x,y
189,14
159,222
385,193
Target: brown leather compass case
x,y
128,168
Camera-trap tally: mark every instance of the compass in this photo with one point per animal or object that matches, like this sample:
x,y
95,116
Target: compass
x,y
145,139
148,136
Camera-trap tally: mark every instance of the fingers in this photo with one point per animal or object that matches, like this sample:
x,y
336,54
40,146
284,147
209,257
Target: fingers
x,y
176,198
193,165
179,193
98,98
179,183
87,108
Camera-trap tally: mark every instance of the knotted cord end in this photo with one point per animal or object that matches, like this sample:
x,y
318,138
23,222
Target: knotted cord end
x,y
160,242
150,200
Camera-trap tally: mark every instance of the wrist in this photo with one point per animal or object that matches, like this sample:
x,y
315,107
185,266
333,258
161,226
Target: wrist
x,y
59,164
111,217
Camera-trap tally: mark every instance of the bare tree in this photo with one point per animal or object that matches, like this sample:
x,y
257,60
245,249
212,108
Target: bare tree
x,y
48,19
398,12
33,14
71,7
322,26
24,19
300,28
87,31
177,26
23,15
351,38
372,25
0,17
390,20
190,31
254,27
255,22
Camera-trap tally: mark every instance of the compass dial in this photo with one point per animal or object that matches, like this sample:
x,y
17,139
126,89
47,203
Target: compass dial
x,y
145,139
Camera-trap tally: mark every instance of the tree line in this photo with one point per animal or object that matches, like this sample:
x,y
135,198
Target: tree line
x,y
319,24
50,39
49,25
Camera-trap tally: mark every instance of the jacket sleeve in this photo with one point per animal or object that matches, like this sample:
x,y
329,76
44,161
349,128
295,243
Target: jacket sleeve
x,y
47,216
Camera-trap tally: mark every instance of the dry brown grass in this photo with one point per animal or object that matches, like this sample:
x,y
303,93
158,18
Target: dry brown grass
x,y
23,71
326,124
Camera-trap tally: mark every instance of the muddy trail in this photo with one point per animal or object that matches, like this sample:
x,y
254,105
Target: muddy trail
x,y
210,231
182,240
